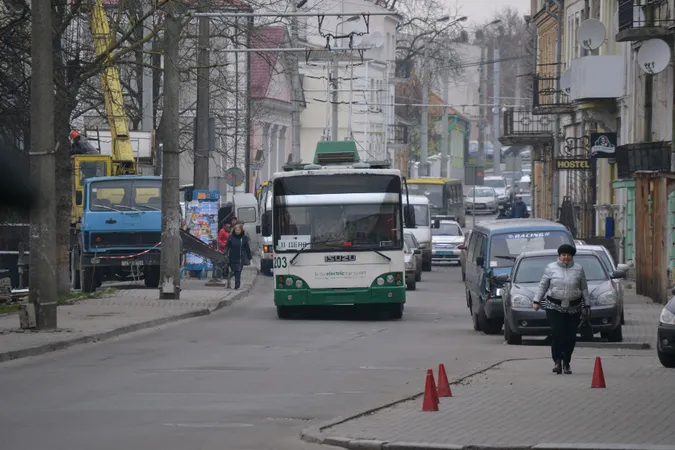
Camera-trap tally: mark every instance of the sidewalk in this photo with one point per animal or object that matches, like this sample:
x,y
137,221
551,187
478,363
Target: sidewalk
x,y
642,318
129,308
522,405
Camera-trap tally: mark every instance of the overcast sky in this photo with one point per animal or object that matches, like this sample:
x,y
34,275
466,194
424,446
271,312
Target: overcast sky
x,y
479,11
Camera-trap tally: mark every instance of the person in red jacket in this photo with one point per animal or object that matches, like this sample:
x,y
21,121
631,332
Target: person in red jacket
x,y
223,236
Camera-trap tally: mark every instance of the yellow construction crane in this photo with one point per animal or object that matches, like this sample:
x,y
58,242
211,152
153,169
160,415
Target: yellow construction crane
x,y
121,162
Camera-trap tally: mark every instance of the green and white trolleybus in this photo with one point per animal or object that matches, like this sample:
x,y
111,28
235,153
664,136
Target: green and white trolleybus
x,y
337,232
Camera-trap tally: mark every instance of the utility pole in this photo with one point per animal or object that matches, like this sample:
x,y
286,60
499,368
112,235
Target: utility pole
x,y
42,268
482,85
334,103
296,153
424,122
201,153
171,241
445,125
496,112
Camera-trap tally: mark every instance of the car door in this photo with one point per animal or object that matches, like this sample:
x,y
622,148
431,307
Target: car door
x,y
473,269
481,249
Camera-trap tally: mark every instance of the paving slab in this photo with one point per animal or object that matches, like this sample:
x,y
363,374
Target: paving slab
x,y
128,308
521,404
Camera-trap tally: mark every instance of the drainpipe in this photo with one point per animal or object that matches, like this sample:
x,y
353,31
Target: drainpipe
x,y
557,131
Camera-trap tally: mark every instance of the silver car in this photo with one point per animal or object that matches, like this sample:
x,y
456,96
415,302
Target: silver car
x,y
411,242
520,288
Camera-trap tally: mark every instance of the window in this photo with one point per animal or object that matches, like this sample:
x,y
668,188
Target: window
x,y
246,214
530,270
505,248
434,192
125,195
410,240
485,192
335,227
481,245
91,169
421,215
495,183
447,229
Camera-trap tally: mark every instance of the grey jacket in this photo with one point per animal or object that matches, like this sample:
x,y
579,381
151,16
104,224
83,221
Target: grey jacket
x,y
564,282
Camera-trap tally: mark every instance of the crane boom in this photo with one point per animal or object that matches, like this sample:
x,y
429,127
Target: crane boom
x,y
122,151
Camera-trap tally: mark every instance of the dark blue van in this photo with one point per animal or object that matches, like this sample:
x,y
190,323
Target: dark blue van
x,y
492,250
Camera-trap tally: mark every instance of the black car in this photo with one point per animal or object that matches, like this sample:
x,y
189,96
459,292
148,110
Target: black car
x,y
665,346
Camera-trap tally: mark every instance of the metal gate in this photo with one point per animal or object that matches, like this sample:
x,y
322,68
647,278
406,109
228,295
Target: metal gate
x,y
577,211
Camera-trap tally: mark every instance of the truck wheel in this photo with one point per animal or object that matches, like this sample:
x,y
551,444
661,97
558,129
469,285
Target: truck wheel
x,y
151,277
426,265
87,279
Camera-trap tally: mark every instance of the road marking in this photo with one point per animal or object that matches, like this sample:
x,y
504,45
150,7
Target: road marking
x,y
209,425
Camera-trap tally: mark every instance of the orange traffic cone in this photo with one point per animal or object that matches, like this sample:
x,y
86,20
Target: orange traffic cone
x,y
598,375
430,402
433,385
443,384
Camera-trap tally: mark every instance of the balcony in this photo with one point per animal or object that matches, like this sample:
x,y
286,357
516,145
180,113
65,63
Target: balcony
x,y
653,156
544,98
640,20
398,136
521,127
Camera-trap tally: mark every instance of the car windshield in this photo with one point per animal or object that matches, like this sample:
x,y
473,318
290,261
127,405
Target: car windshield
x,y
330,227
434,192
481,193
495,183
409,241
125,195
447,229
530,270
505,248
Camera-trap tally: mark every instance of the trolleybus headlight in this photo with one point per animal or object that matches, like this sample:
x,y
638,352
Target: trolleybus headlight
x,y
380,281
298,284
289,281
390,279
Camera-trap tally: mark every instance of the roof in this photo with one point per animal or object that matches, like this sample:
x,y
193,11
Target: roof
x,y
337,171
226,4
520,225
263,64
553,252
125,177
430,180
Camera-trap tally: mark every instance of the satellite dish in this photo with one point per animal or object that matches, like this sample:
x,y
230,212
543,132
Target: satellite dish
x,y
377,39
653,56
638,18
591,34
362,41
566,82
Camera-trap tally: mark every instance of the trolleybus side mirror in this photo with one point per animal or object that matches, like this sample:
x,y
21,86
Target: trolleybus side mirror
x,y
78,198
409,216
266,227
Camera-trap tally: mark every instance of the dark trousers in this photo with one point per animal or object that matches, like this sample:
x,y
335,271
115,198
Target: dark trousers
x,y
564,328
236,271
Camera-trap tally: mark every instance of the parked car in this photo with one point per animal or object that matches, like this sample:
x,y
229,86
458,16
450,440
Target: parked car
x,y
410,266
411,240
608,261
665,342
446,237
463,252
482,199
499,184
493,249
520,288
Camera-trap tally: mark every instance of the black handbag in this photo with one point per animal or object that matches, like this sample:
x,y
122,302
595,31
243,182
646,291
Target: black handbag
x,y
585,327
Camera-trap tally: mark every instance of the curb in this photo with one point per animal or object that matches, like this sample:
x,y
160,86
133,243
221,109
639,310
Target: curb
x,y
616,345
62,345
315,434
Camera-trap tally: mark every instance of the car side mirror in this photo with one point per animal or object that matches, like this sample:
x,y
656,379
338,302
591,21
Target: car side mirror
x,y
417,251
461,247
480,261
266,226
618,274
623,267
502,278
78,198
409,216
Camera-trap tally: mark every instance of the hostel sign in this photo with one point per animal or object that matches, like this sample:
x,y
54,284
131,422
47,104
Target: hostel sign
x,y
572,164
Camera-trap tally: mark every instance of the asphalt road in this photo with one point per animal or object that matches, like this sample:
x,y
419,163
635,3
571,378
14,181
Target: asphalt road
x,y
240,378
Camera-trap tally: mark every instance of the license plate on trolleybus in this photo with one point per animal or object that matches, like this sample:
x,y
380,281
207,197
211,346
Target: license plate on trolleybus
x,y
132,262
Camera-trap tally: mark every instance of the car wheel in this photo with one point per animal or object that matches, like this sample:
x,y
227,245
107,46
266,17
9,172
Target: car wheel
x,y
418,275
666,359
426,266
616,335
411,286
488,326
511,337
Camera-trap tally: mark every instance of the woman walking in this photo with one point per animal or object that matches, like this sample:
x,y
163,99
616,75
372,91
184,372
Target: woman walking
x,y
239,252
563,293
223,236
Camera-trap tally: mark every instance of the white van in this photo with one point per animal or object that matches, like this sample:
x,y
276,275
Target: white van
x,y
265,253
422,230
246,211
